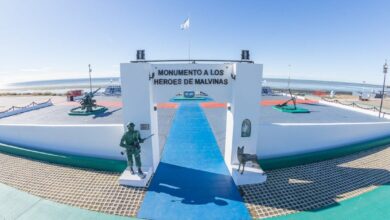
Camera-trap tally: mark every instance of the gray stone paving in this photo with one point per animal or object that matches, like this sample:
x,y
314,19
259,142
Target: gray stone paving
x,y
316,185
88,189
286,191
93,190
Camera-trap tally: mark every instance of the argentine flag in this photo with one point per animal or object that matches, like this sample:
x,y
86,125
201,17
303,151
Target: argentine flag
x,y
185,25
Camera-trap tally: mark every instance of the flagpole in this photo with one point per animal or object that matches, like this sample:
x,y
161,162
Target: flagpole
x,y
90,78
289,75
189,46
185,27
189,42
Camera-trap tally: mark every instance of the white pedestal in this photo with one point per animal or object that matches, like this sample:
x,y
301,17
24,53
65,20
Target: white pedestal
x,y
251,175
127,179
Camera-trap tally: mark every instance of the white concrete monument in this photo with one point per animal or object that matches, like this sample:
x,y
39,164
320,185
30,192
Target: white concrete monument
x,y
237,83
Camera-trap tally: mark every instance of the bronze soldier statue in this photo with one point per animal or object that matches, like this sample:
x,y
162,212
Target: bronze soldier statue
x,y
131,142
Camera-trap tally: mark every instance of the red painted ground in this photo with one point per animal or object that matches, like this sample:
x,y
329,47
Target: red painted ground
x,y
213,105
278,102
118,104
262,103
112,104
167,105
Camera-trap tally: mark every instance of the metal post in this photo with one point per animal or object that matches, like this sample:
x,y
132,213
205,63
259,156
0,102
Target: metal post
x,y
90,79
289,76
383,88
189,46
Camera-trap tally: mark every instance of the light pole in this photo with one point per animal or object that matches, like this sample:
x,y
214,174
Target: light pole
x,y
383,88
289,76
90,78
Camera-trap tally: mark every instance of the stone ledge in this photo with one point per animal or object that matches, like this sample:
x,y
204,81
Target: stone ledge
x,y
251,175
128,179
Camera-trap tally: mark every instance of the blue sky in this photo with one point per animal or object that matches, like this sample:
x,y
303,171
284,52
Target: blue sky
x,y
338,40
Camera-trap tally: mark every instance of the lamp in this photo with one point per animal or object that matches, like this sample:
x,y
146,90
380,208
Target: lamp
x,y
140,54
245,55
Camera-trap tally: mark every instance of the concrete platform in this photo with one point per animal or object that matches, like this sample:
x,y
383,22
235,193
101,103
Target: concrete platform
x,y
251,175
137,180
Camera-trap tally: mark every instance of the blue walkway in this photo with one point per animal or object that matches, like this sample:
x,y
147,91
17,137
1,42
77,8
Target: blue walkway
x,y
192,181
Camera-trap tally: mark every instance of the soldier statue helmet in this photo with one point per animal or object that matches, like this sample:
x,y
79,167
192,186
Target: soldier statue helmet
x,y
130,125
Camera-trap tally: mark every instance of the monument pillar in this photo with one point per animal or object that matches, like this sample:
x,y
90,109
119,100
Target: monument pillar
x,y
242,121
238,83
138,107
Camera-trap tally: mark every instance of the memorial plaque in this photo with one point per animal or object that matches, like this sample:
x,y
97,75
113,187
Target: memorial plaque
x,y
246,128
145,127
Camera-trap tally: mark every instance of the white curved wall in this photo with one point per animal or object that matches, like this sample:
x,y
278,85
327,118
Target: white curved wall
x,y
100,141
275,140
283,139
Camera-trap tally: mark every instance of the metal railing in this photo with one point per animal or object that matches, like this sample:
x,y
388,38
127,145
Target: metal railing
x,y
32,104
354,104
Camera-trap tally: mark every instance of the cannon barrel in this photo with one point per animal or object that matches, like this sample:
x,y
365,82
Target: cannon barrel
x,y
94,92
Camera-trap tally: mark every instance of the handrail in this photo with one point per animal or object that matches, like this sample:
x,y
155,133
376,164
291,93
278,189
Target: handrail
x,y
354,104
32,104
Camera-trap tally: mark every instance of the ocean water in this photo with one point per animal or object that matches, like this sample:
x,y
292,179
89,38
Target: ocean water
x,y
59,86
63,83
316,85
295,84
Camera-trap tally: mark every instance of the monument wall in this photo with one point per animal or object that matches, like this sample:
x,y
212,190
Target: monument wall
x,y
101,141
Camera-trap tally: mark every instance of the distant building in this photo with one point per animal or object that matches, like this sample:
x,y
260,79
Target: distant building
x,y
266,90
113,90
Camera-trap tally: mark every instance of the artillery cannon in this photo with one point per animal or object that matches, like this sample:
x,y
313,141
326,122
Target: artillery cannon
x,y
293,100
87,102
285,107
88,105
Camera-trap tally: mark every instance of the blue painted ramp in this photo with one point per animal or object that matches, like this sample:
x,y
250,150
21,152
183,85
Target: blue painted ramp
x,y
192,181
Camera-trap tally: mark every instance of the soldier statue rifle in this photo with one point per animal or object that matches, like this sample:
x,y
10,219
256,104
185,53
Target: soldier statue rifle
x,y
143,139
